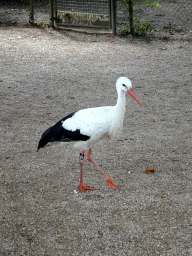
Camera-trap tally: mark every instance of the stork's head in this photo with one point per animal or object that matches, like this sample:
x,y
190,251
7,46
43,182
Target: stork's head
x,y
124,84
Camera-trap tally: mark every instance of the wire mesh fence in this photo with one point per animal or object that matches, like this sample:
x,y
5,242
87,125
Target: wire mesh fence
x,y
84,13
173,18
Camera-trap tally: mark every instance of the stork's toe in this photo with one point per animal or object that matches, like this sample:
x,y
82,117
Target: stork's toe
x,y
111,183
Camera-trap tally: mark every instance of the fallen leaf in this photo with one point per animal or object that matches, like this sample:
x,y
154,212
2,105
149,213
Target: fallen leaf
x,y
149,171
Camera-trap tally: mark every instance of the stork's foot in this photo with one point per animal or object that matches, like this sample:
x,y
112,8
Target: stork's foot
x,y
83,188
111,183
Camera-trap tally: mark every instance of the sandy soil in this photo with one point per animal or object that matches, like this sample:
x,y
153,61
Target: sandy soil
x,y
45,75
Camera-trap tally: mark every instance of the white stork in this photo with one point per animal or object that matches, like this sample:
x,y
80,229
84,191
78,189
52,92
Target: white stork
x,y
87,126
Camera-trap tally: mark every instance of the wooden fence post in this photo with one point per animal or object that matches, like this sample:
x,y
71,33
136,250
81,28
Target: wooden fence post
x,y
31,16
55,11
131,17
113,16
52,12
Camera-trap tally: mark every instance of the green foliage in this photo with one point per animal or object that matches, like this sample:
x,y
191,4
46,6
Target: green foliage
x,y
140,27
124,31
42,24
156,4
126,3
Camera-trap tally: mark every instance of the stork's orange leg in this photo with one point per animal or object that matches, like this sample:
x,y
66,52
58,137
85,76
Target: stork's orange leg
x,y
108,180
81,186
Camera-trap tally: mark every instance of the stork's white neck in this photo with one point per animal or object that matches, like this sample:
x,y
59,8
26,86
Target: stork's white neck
x,y
121,102
118,115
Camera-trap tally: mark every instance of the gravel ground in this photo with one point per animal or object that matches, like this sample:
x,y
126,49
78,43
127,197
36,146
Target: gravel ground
x,y
45,75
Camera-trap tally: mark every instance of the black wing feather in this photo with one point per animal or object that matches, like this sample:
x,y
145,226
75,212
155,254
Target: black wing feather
x,y
60,134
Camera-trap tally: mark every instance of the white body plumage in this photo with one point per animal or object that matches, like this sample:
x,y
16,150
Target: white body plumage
x,y
98,122
85,127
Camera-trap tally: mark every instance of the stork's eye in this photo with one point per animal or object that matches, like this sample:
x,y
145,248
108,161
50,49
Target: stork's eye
x,y
124,85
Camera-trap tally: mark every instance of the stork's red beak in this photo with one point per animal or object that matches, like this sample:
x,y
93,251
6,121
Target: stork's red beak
x,y
131,92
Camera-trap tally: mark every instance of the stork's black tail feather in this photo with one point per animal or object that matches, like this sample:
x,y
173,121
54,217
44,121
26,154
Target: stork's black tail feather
x,y
58,133
55,133
46,137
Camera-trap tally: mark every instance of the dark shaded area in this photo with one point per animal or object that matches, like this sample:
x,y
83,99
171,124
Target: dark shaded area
x,y
16,3
16,13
